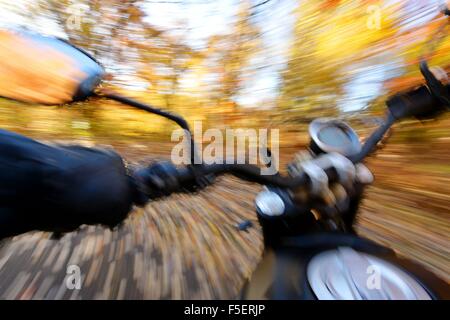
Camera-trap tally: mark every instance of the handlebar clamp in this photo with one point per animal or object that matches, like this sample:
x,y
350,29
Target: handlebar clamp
x,y
164,178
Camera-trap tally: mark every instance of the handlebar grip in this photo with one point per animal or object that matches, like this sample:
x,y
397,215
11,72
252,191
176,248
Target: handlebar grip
x,y
419,103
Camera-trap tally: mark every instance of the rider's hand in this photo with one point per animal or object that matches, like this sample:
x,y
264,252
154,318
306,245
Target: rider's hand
x,y
59,188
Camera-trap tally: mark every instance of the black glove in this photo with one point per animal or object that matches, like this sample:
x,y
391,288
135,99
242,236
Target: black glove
x,y
59,188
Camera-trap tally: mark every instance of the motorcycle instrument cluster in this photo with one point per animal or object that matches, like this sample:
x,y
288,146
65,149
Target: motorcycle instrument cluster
x,y
332,135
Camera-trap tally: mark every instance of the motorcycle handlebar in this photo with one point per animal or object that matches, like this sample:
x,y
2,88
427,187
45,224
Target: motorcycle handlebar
x,y
164,178
247,172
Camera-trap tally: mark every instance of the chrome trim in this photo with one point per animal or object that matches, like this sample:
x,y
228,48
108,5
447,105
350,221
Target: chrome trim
x,y
346,274
315,127
269,203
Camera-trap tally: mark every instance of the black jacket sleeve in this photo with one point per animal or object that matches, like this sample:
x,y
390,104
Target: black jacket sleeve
x,y
59,188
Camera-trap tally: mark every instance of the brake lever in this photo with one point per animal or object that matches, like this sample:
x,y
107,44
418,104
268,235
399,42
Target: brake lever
x,y
436,87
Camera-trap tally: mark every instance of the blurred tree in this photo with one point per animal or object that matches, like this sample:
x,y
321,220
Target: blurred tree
x,y
228,58
329,36
331,40
117,33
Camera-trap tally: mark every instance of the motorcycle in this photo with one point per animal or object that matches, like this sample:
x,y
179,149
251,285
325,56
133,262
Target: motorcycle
x,y
310,252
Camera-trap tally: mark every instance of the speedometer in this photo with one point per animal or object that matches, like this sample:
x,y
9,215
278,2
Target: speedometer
x,y
332,135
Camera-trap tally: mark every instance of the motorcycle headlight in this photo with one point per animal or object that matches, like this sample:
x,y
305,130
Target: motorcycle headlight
x,y
332,135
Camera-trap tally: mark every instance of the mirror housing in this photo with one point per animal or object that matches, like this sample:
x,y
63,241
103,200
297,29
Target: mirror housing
x,y
46,70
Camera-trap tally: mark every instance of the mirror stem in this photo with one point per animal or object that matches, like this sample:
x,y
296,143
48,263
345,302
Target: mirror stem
x,y
175,118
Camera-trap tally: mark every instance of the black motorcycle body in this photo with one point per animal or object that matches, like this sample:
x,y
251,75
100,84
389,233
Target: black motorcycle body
x,y
282,272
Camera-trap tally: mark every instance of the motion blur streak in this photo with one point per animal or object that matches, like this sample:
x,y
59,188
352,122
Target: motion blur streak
x,y
231,64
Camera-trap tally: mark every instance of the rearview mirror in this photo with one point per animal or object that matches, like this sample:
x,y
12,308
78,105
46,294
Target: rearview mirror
x,y
46,70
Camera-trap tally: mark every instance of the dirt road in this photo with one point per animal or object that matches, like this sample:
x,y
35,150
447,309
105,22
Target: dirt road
x,y
188,246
